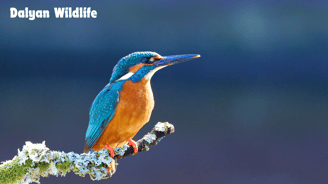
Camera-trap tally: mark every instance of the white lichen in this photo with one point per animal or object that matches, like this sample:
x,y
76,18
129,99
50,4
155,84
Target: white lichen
x,y
92,163
121,150
162,127
7,163
36,160
149,138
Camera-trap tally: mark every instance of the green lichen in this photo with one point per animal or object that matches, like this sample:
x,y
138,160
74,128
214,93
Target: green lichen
x,y
43,166
63,167
13,172
75,169
145,147
78,172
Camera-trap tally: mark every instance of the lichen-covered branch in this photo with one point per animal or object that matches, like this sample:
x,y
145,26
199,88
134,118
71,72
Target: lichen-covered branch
x,y
36,160
152,138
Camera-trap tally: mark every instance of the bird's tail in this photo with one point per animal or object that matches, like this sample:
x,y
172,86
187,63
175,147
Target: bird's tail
x,y
86,148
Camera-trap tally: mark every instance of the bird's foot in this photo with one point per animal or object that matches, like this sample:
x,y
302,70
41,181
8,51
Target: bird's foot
x,y
134,145
110,149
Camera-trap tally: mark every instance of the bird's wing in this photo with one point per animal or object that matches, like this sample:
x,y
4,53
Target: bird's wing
x,y
101,112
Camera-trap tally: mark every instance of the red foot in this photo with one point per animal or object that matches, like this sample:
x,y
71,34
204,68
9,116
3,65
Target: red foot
x,y
133,144
111,150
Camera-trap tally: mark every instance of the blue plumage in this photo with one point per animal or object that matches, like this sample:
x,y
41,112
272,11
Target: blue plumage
x,y
102,111
122,67
142,72
104,106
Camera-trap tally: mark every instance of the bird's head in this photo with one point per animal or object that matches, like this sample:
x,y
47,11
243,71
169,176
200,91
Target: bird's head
x,y
139,65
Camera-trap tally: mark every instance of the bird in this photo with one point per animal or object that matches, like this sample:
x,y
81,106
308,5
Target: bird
x,y
125,104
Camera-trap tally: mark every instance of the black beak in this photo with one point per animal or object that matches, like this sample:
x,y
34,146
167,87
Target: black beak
x,y
171,60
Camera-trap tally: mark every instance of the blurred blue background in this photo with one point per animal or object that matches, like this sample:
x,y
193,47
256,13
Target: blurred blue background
x,y
251,110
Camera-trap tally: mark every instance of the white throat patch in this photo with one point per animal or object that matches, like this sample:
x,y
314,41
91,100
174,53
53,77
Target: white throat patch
x,y
152,72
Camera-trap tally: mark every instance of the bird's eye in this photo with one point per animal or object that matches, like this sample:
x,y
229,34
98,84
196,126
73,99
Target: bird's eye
x,y
148,60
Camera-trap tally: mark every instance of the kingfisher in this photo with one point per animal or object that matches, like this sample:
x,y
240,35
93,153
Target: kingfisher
x,y
125,104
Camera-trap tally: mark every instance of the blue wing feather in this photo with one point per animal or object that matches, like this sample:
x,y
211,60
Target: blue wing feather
x,y
101,112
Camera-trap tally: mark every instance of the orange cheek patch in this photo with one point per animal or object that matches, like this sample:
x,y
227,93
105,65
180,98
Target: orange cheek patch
x,y
134,69
158,57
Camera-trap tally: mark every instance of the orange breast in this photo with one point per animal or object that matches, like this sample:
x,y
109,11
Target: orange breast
x,y
132,113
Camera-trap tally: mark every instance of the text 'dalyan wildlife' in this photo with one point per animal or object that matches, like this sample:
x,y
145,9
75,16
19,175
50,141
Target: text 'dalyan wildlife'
x,y
60,12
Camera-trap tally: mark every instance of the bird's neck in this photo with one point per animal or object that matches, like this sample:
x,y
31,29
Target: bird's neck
x,y
150,74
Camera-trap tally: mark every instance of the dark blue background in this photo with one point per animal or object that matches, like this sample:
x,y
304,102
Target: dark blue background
x,y
251,110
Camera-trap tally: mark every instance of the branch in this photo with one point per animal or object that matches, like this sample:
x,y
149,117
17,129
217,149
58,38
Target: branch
x,y
36,160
